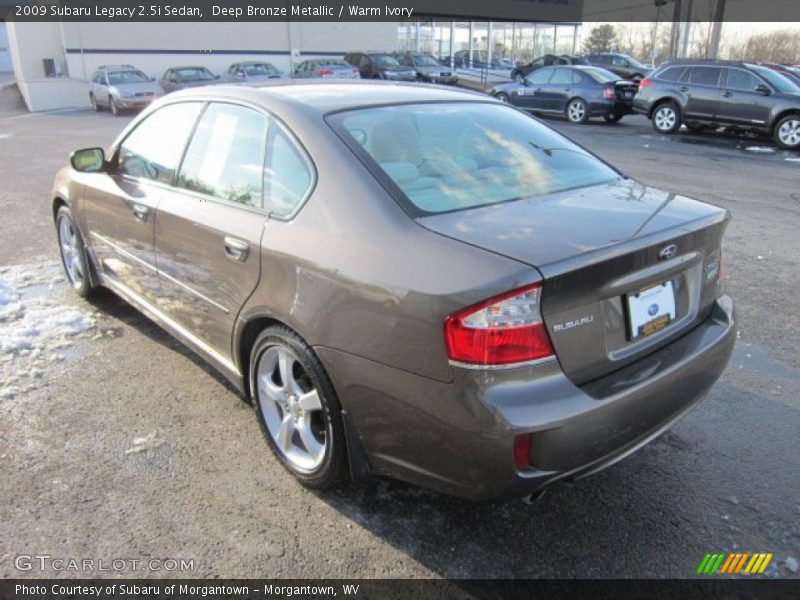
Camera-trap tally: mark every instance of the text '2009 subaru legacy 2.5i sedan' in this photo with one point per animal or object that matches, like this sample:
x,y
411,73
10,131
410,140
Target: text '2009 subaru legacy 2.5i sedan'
x,y
408,281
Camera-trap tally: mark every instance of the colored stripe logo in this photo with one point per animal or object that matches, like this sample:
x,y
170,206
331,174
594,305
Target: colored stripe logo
x,y
734,563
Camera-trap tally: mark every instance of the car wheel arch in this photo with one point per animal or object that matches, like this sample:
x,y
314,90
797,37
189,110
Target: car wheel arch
x,y
660,102
780,116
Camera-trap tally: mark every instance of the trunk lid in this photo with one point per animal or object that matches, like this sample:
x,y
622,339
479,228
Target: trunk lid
x,y
595,247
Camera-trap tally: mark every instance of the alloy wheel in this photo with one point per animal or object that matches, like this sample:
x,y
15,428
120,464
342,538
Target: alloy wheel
x,y
70,251
576,111
665,118
789,133
292,409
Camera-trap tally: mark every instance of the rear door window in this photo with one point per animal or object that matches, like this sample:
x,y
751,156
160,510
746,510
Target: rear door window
x,y
225,158
704,75
561,77
671,74
287,174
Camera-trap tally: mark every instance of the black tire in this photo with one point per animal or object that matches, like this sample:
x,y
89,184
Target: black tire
x,y
613,117
786,132
577,111
84,285
503,97
666,117
333,468
93,101
112,105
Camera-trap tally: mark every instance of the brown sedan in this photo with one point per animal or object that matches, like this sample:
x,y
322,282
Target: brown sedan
x,y
409,281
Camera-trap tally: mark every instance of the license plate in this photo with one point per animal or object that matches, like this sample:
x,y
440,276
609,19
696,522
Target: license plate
x,y
651,310
627,95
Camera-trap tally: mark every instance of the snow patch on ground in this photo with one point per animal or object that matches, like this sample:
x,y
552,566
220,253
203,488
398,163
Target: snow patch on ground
x,y
38,325
760,149
793,158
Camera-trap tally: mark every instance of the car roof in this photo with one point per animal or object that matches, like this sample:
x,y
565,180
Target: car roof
x,y
322,97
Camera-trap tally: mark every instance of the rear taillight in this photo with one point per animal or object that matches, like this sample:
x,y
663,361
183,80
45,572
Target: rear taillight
x,y
502,330
609,93
644,83
326,73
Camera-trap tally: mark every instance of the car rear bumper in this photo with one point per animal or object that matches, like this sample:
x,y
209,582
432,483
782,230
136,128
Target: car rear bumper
x,y
458,437
600,108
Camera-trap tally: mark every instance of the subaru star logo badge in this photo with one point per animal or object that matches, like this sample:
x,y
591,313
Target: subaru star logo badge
x,y
668,252
652,310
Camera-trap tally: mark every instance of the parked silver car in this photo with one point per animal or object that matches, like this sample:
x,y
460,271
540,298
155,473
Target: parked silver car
x,y
406,280
325,68
428,68
121,87
250,71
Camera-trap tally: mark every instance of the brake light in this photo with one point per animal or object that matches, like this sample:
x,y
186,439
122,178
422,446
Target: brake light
x,y
502,330
326,73
644,83
609,93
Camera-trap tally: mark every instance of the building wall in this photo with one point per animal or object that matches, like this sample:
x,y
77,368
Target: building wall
x,y
79,48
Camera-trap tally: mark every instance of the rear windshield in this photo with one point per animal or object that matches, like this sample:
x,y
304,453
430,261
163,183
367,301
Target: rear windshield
x,y
445,157
601,75
194,74
385,60
256,69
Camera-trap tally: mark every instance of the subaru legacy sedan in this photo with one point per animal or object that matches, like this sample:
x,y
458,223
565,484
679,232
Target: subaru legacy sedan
x,y
407,281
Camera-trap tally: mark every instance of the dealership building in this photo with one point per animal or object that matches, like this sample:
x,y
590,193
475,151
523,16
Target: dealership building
x,y
53,61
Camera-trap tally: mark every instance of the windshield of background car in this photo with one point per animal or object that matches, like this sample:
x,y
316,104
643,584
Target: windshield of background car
x,y
776,80
426,61
194,74
333,63
444,157
260,69
633,62
601,75
123,77
384,60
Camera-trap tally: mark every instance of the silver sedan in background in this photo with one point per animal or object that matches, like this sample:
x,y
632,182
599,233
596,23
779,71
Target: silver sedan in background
x,y
325,68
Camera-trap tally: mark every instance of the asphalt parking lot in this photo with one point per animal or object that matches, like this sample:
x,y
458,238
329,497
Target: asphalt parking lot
x,y
118,442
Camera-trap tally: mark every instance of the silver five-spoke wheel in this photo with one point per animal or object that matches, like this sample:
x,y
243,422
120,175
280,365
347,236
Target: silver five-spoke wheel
x,y
71,251
789,133
577,111
292,409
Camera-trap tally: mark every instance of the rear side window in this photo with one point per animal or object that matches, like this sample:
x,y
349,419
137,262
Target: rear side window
x,y
738,79
153,150
287,174
704,75
443,157
671,74
225,158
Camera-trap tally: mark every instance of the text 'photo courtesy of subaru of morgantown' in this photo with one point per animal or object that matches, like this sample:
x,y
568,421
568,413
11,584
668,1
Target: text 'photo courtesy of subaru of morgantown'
x,y
406,280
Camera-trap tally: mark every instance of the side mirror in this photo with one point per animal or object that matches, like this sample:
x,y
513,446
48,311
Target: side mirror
x,y
763,89
88,160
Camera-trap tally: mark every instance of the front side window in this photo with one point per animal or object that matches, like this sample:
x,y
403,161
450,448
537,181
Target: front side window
x,y
779,82
738,79
225,158
153,150
539,77
287,175
444,157
561,77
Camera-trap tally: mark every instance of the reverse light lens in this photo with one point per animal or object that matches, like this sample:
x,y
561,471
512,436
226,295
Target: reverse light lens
x,y
502,330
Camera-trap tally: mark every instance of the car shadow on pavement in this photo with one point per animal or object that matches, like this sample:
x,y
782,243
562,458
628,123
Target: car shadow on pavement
x,y
603,526
114,307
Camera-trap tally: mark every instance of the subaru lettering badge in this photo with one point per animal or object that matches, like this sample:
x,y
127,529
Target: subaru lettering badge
x,y
668,252
652,310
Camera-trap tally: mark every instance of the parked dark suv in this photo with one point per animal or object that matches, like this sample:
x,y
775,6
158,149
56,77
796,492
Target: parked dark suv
x,y
623,65
722,93
520,72
380,65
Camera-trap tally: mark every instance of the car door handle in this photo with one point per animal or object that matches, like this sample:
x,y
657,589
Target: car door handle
x,y
236,249
727,94
140,212
684,89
